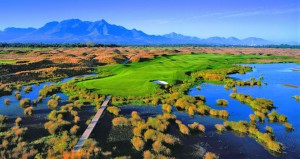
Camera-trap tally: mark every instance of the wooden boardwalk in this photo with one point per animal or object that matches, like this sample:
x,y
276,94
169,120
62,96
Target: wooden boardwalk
x,y
91,126
93,123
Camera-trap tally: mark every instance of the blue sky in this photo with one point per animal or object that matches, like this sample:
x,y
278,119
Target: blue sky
x,y
276,20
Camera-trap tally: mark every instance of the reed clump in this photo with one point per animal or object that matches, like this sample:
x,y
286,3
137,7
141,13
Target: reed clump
x,y
27,89
25,103
297,98
74,129
182,128
220,127
18,121
137,143
52,104
222,102
288,126
113,110
120,121
267,139
7,101
276,117
210,155
167,108
28,111
197,127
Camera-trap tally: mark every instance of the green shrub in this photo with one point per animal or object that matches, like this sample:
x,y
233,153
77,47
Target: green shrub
x,y
276,117
252,117
269,129
7,101
74,129
40,99
25,103
53,104
18,121
222,102
210,155
240,126
158,147
18,96
27,89
167,108
150,134
297,98
3,121
113,110
49,90
76,119
288,126
28,111
78,104
34,103
197,126
182,128
137,143
274,146
220,127
120,121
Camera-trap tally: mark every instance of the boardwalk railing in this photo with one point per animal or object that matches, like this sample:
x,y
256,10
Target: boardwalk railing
x,y
92,125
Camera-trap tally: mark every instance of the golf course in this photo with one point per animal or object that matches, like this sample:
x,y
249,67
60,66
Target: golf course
x,y
134,79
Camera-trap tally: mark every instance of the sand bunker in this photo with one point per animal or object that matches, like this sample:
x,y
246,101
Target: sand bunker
x,y
160,82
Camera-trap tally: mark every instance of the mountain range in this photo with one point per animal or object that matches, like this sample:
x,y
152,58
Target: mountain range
x,y
77,31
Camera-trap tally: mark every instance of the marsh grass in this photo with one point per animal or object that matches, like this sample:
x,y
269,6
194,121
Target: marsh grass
x,y
120,121
297,98
52,104
267,139
113,110
222,102
197,127
25,103
18,121
27,89
182,128
138,143
288,126
167,108
28,111
210,155
220,127
7,102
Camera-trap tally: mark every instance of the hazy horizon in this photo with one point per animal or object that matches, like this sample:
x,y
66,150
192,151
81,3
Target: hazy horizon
x,y
273,20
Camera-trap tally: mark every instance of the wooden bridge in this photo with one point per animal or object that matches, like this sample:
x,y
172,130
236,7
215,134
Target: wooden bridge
x,y
92,125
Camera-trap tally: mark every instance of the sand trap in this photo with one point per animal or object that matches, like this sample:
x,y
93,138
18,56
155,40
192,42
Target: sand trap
x,y
160,82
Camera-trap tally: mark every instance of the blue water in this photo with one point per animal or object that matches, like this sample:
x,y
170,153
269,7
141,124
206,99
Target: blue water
x,y
275,75
13,110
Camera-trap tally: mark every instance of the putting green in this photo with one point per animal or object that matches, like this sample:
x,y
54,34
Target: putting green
x,y
134,79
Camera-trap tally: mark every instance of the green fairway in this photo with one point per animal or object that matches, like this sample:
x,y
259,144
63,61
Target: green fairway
x,y
134,79
7,61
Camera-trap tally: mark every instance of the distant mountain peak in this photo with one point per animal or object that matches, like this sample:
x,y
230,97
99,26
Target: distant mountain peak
x,y
78,31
